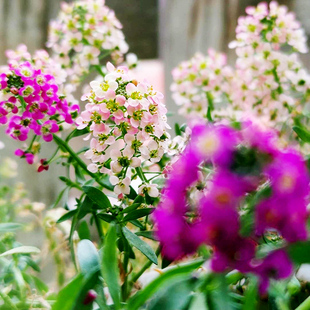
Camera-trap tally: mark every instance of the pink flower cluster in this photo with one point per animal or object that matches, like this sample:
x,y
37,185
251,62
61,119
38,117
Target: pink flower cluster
x,y
266,82
30,104
245,162
83,32
128,122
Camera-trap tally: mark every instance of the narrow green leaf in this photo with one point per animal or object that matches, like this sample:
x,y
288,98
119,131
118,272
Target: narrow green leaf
x,y
133,207
175,296
88,257
132,194
143,247
138,214
171,275
299,252
177,129
21,250
8,227
31,263
83,231
97,196
137,224
106,217
40,285
109,266
77,133
85,208
147,234
251,294
59,197
72,296
70,183
67,216
220,295
302,133
199,302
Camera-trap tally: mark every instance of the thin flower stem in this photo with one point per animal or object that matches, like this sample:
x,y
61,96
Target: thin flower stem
x,y
99,228
62,144
141,175
147,265
53,156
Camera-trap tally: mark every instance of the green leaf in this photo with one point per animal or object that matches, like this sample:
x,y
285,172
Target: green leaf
x,y
59,197
299,252
251,295
40,285
106,217
168,277
67,216
177,129
88,257
133,207
8,227
31,263
132,194
83,231
147,234
109,266
21,250
137,224
143,247
220,295
85,208
77,133
97,196
70,183
199,302
138,214
302,133
71,297
175,296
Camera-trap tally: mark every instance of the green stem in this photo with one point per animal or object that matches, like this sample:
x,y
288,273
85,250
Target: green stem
x,y
141,175
99,227
31,143
305,305
53,156
22,102
125,266
62,144
148,264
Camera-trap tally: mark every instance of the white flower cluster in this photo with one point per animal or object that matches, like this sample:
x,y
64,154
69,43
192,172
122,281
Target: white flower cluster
x,y
83,32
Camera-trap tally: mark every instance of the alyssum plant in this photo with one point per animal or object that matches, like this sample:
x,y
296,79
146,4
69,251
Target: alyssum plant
x,y
221,209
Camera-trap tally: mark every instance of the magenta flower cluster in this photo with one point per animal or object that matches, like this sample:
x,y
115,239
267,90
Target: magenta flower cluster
x,y
245,162
32,106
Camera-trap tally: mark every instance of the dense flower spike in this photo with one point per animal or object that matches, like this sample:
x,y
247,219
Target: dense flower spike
x,y
199,82
83,32
31,103
245,161
267,82
128,123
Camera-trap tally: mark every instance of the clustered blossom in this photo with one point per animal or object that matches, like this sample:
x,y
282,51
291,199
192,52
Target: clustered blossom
x,y
266,81
245,161
83,32
200,80
127,120
31,105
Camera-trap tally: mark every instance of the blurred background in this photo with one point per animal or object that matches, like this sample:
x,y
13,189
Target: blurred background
x,y
161,32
